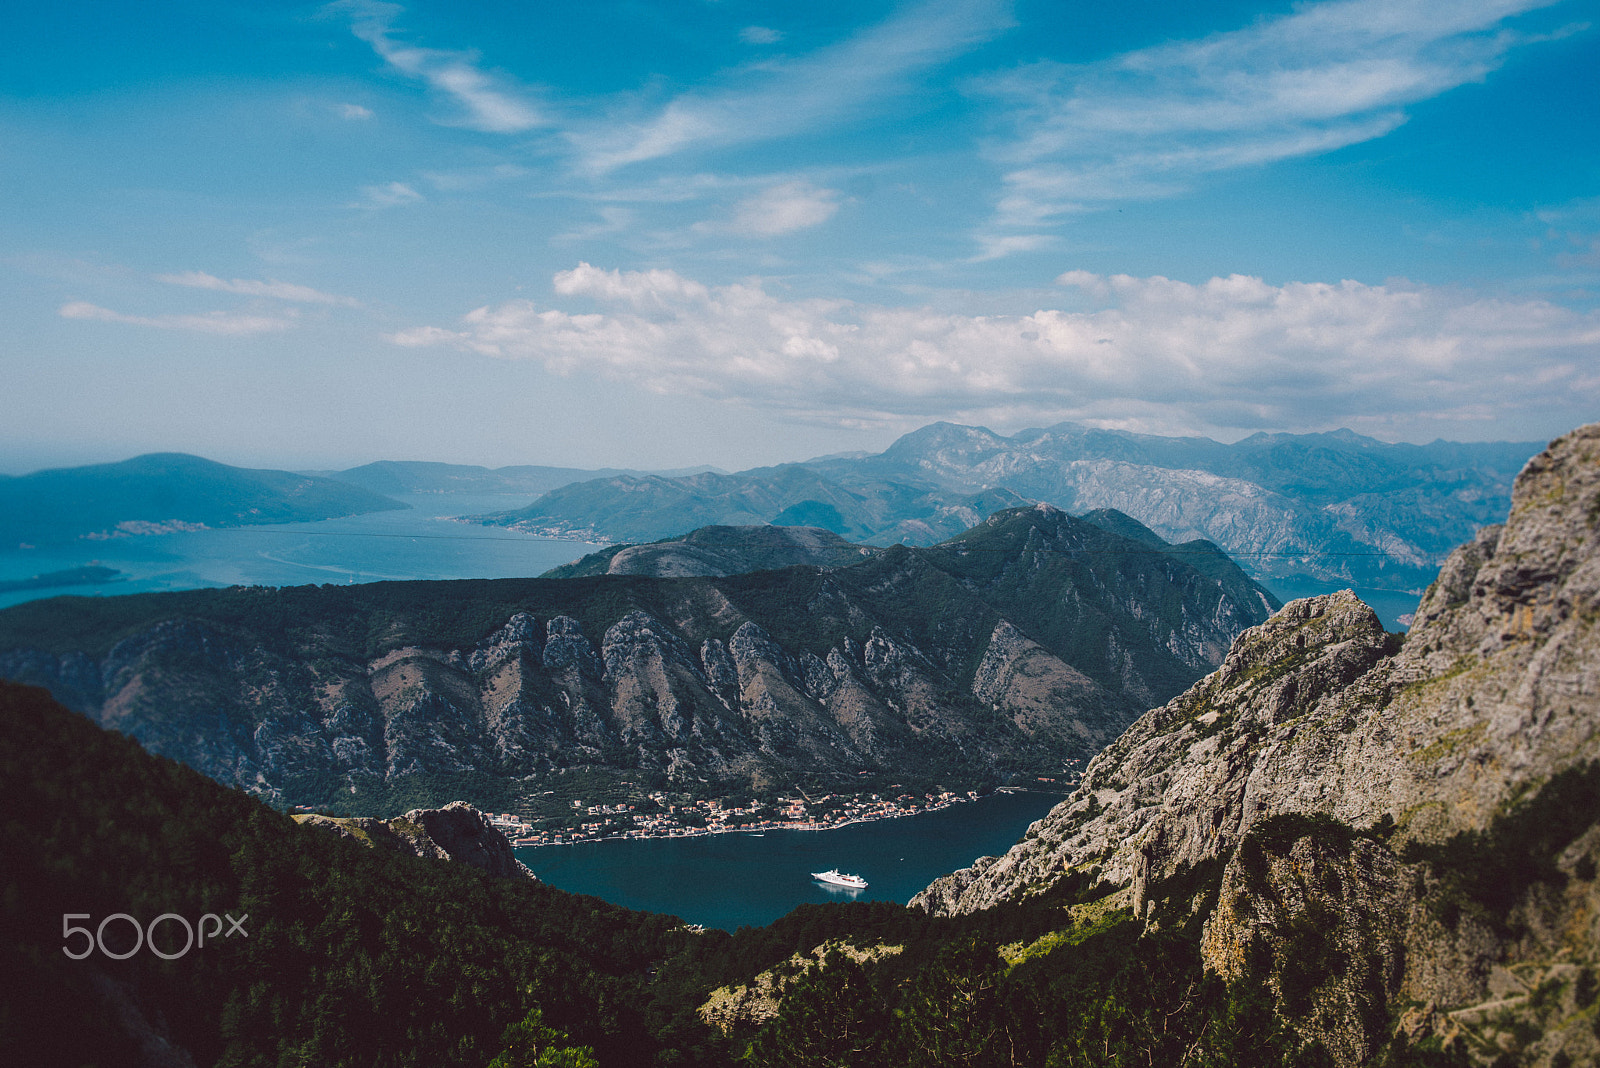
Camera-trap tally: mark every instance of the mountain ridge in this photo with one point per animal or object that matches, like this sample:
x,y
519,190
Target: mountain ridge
x,y
949,664
157,492
1334,507
719,551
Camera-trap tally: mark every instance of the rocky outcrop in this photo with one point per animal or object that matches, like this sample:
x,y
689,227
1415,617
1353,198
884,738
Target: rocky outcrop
x,y
456,832
1396,836
1031,641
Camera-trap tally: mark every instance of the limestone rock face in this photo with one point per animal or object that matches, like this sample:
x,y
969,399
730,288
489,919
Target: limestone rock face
x,y
1324,767
457,832
1030,642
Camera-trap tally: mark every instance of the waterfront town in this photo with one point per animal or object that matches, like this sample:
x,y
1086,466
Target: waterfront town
x,y
592,823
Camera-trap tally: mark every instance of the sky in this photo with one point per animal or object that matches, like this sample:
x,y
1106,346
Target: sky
x,y
661,234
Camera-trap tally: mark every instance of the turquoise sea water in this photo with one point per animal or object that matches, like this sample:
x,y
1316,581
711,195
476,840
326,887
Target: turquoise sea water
x,y
418,543
1394,607
729,880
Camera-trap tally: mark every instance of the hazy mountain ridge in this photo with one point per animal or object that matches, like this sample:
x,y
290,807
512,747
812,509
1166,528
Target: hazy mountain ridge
x,y
1335,506
1391,837
167,491
1032,640
1335,493
421,476
636,509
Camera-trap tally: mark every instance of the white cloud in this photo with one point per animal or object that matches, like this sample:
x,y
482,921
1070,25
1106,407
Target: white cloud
x,y
488,102
1229,353
393,195
226,323
996,246
1148,123
252,288
778,99
354,112
783,209
759,35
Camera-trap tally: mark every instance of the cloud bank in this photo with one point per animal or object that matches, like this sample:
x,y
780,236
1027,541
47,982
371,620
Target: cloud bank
x,y
1231,353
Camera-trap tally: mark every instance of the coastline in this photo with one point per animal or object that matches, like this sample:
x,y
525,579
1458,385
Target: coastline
x,y
883,811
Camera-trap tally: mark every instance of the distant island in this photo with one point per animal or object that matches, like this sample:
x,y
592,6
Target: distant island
x,y
92,575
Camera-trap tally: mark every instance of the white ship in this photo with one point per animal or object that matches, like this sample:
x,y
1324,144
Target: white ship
x,y
834,876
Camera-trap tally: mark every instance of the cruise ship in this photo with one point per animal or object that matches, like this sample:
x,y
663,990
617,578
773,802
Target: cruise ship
x,y
837,878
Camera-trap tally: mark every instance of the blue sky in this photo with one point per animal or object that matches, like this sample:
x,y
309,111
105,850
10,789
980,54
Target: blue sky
x,y
661,234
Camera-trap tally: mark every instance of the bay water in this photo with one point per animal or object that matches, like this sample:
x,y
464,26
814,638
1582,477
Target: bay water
x,y
420,542
737,879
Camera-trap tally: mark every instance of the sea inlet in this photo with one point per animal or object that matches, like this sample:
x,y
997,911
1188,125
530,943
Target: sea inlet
x,y
737,879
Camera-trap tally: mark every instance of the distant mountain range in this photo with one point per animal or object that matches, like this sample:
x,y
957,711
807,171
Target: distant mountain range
x,y
1335,507
164,492
639,509
416,476
1031,640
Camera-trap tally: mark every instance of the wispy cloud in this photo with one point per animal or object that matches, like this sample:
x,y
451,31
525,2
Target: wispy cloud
x,y
249,287
784,209
354,112
231,324
487,102
759,35
1230,353
392,195
779,99
1148,123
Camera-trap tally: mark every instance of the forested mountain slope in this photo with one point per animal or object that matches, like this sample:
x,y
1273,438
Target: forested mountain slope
x,y
344,955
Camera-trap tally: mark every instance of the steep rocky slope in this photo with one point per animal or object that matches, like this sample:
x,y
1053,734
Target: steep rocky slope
x,y
1032,640
1403,840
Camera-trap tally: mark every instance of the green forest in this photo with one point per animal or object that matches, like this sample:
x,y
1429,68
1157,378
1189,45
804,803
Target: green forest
x,y
350,956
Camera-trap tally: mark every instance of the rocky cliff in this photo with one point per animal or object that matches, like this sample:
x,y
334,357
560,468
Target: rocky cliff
x,y
455,832
1401,839
1029,642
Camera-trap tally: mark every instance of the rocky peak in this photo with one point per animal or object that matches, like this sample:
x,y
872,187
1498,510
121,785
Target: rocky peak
x,y
1337,789
456,832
